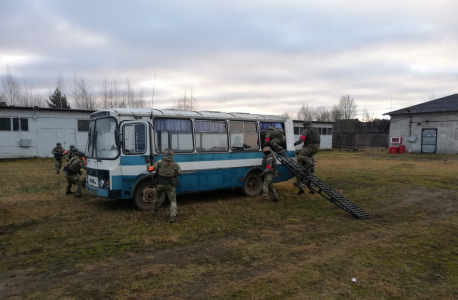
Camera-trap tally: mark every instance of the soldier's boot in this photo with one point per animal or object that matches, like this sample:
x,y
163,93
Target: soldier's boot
x,y
173,219
77,196
68,192
275,199
155,212
264,199
280,150
301,191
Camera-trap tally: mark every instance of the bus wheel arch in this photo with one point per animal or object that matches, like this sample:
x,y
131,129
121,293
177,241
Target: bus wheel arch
x,y
252,184
144,194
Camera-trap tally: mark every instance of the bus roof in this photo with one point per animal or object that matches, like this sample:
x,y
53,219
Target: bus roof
x,y
191,114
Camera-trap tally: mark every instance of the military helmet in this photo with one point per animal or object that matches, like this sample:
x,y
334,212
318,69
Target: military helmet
x,y
263,131
168,152
267,150
72,146
75,150
80,153
58,144
307,123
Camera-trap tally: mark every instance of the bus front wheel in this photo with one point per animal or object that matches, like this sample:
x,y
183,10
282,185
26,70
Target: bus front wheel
x,y
144,196
252,185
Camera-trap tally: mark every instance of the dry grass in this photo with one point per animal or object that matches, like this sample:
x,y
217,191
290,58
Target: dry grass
x,y
228,246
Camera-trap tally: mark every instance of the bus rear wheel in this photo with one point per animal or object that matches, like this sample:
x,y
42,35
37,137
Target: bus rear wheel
x,y
252,185
144,196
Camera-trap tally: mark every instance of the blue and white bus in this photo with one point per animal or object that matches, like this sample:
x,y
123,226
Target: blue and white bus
x,y
215,150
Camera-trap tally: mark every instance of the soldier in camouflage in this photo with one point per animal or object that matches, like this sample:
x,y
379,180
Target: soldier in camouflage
x,y
71,171
269,162
167,172
71,153
273,138
311,139
58,153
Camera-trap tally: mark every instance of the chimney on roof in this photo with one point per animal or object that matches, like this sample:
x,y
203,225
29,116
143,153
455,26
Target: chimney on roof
x,y
3,103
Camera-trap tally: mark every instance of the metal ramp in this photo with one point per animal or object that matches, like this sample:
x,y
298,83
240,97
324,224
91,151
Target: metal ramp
x,y
316,185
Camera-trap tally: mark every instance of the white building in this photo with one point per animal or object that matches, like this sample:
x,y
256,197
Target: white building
x,y
324,128
429,127
34,131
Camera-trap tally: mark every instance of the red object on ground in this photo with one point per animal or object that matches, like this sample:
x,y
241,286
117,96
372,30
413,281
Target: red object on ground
x,y
402,149
394,149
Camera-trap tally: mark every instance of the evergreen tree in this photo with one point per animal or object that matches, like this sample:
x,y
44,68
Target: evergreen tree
x,y
58,100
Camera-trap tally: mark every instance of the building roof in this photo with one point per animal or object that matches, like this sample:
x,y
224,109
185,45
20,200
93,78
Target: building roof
x,y
45,108
445,104
320,122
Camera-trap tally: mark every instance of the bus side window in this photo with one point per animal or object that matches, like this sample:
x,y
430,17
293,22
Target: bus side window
x,y
211,136
244,136
175,134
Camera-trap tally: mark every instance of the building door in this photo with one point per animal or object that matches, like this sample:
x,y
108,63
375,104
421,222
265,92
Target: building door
x,y
428,140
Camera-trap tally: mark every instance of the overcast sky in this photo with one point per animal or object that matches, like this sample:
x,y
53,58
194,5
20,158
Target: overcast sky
x,y
252,56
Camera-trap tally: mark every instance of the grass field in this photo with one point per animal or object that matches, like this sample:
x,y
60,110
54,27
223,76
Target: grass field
x,y
228,246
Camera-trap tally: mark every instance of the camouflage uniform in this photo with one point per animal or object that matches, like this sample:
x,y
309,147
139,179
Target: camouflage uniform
x,y
311,139
58,153
274,137
269,162
167,170
71,153
71,171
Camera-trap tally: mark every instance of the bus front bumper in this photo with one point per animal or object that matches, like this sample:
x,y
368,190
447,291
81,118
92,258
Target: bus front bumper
x,y
115,194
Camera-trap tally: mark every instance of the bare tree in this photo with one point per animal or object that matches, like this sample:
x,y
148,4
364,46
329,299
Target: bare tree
x,y
11,88
306,113
83,96
336,114
140,101
347,107
105,94
285,115
367,117
322,114
27,96
186,102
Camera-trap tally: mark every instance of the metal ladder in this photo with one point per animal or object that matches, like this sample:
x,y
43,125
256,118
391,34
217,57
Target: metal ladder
x,y
316,185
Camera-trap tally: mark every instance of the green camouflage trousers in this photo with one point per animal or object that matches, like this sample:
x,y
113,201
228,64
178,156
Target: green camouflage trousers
x,y
58,164
170,190
267,184
306,158
275,143
73,180
306,155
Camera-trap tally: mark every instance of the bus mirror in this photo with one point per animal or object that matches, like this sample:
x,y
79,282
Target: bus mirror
x,y
117,137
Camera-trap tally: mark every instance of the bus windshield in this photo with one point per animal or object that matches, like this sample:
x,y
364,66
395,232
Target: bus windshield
x,y
101,139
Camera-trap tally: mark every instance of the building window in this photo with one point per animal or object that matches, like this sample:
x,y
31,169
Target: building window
x,y
211,136
83,125
5,124
15,124
298,130
244,136
175,134
329,131
24,124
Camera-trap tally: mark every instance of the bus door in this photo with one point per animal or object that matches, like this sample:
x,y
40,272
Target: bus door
x,y
136,148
